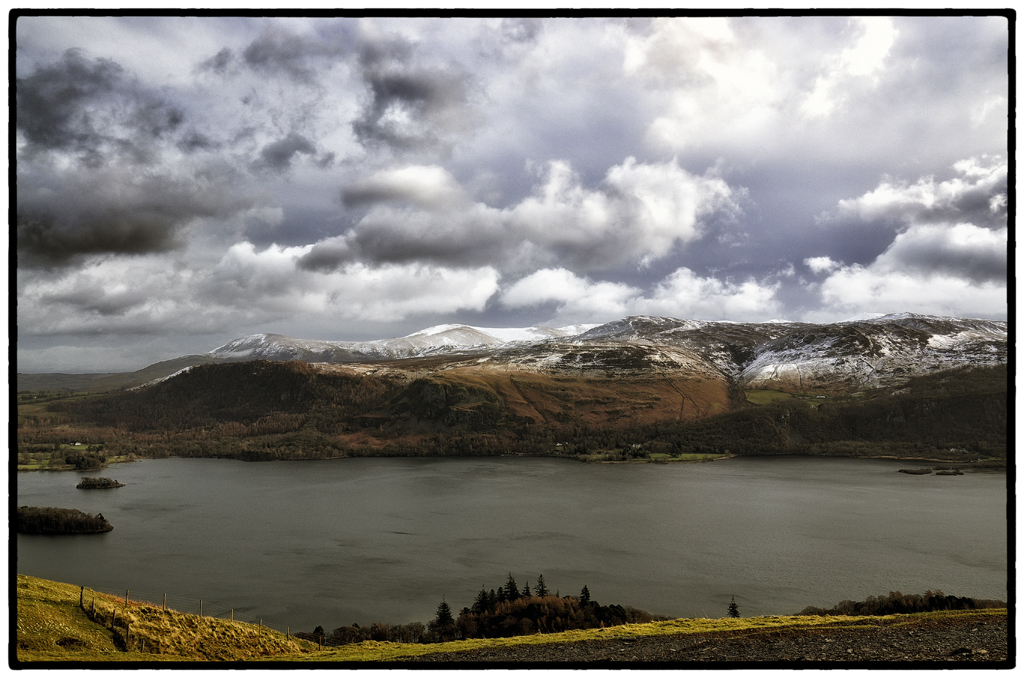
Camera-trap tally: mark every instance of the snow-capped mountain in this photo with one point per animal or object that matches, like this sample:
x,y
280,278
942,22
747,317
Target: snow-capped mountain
x,y
848,355
877,351
440,339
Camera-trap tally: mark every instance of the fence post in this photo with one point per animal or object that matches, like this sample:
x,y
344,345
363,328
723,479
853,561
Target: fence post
x,y
94,603
81,598
165,602
126,598
200,608
127,636
287,632
113,616
232,614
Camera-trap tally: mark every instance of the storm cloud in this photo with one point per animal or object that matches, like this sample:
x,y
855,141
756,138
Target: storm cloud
x,y
182,181
92,108
112,211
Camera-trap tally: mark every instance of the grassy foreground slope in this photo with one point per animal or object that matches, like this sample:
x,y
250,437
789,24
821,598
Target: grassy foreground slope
x,y
52,627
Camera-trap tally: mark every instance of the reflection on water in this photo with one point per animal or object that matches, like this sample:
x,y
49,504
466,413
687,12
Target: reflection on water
x,y
361,540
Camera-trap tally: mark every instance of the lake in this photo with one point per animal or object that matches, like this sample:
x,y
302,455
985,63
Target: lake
x,y
333,542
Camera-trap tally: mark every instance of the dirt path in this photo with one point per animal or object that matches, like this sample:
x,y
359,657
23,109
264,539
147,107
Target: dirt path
x,y
947,641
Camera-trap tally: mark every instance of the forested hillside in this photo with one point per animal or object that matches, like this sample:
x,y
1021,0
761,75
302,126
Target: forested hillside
x,y
292,410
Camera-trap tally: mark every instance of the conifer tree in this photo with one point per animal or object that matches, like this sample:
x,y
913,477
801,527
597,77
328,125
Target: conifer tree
x,y
511,590
443,626
526,589
480,602
541,589
444,614
584,595
734,610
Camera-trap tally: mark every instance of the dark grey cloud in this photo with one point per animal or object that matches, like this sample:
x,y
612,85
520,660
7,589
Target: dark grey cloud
x,y
407,105
410,106
278,156
326,256
325,160
110,211
219,62
383,51
298,57
51,101
413,108
95,299
93,108
193,141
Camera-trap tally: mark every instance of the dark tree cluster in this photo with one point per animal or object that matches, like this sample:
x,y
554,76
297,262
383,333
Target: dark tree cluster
x,y
98,484
498,613
48,520
414,632
511,611
898,603
85,462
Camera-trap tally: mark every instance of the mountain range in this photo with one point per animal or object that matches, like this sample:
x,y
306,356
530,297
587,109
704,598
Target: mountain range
x,y
789,356
895,385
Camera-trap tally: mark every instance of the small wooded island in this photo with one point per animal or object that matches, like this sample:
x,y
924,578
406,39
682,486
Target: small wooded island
x,y
49,520
98,484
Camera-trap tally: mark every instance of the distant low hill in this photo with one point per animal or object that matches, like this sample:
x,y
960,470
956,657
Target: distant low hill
x,y
270,410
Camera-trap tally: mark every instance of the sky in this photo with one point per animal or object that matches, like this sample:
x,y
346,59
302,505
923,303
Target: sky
x,y
181,182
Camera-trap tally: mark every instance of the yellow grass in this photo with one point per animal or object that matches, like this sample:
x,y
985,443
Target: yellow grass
x,y
51,627
375,651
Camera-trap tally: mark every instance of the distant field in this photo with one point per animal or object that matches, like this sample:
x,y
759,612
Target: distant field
x,y
766,397
659,456
42,461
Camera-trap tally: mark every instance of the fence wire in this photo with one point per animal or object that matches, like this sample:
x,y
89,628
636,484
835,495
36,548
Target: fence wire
x,y
194,606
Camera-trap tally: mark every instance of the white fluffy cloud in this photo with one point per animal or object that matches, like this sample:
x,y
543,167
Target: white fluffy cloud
x,y
356,292
708,73
869,289
576,298
863,59
938,262
979,193
687,295
821,264
638,214
150,295
682,294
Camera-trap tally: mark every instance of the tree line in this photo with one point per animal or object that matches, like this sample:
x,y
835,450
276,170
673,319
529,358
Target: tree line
x,y
498,613
899,603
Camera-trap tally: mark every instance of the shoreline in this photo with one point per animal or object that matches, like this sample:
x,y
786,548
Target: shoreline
x,y
963,464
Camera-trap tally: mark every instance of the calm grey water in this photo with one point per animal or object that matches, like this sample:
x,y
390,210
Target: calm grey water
x,y
360,540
